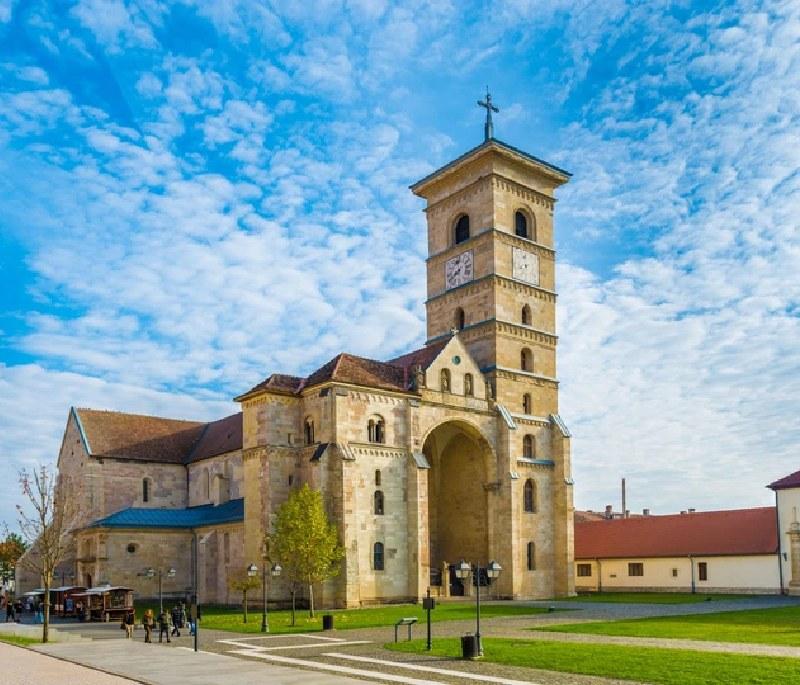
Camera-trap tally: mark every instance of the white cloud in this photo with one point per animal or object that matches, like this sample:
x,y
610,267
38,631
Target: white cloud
x,y
6,10
118,26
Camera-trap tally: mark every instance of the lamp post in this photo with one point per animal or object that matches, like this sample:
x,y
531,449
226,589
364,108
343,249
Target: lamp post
x,y
464,571
274,571
150,573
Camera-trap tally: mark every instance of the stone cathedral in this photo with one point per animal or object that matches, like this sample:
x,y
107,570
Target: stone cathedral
x,y
452,451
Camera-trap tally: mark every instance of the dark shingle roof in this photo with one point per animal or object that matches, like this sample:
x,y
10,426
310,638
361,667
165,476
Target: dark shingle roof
x,y
218,437
493,142
790,481
733,532
189,517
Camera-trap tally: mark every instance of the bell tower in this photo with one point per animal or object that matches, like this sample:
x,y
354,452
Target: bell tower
x,y
491,268
491,276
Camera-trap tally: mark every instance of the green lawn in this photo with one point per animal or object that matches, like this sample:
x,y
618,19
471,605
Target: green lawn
x,y
226,618
19,639
643,664
761,626
652,597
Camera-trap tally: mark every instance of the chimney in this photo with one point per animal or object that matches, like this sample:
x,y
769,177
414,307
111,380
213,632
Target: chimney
x,y
609,511
692,510
683,513
627,513
623,510
645,512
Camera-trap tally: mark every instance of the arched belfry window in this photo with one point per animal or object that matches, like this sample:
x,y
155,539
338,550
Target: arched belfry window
x,y
460,319
526,360
527,404
529,496
376,430
444,382
528,448
378,497
145,490
526,315
469,388
462,229
308,429
521,224
530,554
377,556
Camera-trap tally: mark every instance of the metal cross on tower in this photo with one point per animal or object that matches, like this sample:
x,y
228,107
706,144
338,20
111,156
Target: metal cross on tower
x,y
488,127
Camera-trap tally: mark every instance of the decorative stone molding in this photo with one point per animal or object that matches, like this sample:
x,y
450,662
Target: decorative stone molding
x,y
526,289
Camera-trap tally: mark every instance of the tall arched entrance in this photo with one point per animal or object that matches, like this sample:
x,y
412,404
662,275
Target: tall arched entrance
x,y
458,517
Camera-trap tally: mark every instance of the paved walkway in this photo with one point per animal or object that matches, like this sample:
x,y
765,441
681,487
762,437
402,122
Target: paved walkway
x,y
156,664
24,667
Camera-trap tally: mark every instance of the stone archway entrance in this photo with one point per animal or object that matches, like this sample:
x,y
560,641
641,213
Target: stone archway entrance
x,y
458,516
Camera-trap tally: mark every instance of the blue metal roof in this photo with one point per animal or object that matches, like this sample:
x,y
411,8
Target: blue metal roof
x,y
189,517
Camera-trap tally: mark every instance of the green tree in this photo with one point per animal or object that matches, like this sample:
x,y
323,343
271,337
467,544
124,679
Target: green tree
x,y
241,581
305,542
11,549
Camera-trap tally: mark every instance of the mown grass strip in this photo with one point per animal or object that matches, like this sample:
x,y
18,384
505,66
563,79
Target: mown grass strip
x,y
779,626
640,664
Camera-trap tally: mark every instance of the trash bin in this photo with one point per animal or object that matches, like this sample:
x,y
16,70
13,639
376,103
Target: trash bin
x,y
327,622
469,647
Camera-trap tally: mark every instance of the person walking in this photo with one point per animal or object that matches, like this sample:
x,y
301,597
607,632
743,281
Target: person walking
x,y
184,617
130,621
164,621
147,622
176,621
9,611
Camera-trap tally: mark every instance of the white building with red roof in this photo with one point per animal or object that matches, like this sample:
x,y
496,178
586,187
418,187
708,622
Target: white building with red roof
x,y
711,551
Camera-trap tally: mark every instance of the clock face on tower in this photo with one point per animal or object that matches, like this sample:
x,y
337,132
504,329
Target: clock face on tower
x,y
458,270
526,266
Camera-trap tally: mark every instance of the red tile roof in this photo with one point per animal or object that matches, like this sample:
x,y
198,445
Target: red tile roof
x,y
133,436
424,356
219,437
277,382
113,434
734,532
790,481
349,368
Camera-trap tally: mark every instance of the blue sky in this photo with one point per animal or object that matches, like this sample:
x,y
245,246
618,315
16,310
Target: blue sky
x,y
196,194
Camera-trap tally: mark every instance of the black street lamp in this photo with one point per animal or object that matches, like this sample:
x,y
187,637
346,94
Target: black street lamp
x,y
150,573
274,571
463,571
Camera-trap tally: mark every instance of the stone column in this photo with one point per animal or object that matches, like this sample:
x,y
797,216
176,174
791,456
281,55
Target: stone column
x,y
794,551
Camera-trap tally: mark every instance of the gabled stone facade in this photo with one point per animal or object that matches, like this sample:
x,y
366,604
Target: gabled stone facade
x,y
452,451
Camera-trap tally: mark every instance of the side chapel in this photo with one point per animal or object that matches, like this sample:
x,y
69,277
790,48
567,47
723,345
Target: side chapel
x,y
452,451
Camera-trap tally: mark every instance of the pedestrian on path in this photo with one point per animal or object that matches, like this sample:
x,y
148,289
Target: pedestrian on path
x,y
164,621
176,621
148,623
130,621
9,611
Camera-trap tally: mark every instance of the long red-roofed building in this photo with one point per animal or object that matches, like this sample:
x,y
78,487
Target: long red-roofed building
x,y
711,551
